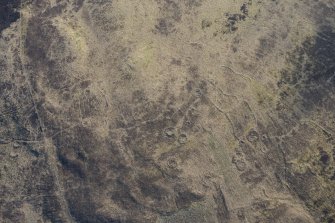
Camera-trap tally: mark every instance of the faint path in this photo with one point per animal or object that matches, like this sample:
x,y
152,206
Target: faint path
x,y
50,149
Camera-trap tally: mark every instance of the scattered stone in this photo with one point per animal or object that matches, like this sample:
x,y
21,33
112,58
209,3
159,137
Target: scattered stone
x,y
205,24
333,177
16,145
324,157
252,136
182,138
239,163
170,132
13,155
172,163
2,141
244,9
